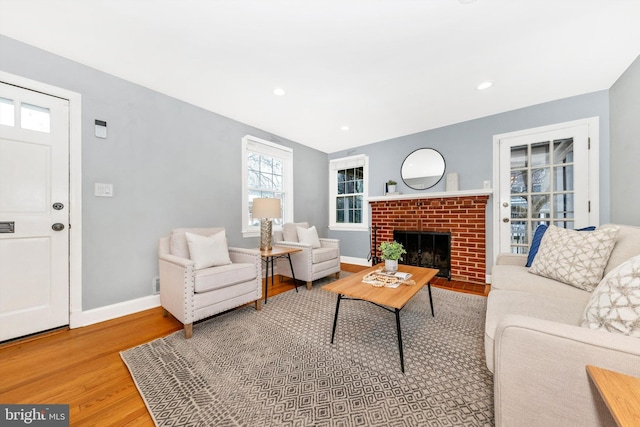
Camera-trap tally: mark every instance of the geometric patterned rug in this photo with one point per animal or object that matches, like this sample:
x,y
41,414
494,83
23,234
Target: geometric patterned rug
x,y
277,367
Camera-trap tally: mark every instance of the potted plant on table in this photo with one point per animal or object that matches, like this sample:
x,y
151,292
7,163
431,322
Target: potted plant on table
x,y
391,253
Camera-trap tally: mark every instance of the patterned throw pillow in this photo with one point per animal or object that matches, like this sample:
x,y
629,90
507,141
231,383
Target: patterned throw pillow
x,y
575,258
615,303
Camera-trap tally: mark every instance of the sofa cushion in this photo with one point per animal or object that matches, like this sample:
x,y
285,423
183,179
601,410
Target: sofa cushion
x,y
518,278
208,251
290,230
212,278
503,302
178,245
308,236
627,246
323,254
615,304
575,258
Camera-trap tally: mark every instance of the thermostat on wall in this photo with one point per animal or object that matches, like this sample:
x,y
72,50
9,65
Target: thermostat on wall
x,y
101,129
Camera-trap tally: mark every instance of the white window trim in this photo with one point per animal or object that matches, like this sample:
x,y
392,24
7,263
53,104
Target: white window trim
x,y
255,144
343,163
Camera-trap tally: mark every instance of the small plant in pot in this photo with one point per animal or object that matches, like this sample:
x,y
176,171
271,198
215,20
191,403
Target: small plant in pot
x,y
391,186
391,253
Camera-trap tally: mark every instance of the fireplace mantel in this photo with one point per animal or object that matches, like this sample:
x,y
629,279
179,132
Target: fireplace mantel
x,y
438,195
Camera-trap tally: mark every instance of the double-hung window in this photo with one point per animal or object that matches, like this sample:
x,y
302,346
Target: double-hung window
x,y
267,171
348,189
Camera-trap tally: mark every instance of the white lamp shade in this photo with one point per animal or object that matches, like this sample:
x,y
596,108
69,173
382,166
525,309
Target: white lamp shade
x,y
266,208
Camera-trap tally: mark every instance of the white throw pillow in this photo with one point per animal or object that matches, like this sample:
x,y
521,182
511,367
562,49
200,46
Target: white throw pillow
x,y
309,236
615,303
573,257
208,251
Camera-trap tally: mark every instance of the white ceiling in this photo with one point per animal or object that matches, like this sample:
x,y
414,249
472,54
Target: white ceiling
x,y
385,68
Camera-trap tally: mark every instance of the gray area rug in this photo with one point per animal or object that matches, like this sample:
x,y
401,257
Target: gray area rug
x,y
276,367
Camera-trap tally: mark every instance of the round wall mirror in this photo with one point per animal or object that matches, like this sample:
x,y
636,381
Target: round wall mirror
x,y
423,168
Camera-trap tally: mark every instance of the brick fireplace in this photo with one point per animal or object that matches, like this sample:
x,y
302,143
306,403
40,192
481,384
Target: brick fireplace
x,y
463,215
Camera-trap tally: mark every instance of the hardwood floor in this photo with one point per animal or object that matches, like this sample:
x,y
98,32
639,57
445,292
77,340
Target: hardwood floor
x,y
82,367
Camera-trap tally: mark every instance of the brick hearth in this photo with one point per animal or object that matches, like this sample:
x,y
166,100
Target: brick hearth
x,y
463,216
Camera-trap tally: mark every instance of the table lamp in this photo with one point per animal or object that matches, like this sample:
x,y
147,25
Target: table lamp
x,y
266,209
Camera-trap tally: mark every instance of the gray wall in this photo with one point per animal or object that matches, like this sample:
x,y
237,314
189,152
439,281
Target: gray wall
x,y
625,147
468,150
171,164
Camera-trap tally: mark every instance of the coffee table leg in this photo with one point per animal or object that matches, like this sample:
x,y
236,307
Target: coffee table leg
x,y
400,340
335,318
430,299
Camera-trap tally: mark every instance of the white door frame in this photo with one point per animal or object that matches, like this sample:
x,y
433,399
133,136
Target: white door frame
x,y
75,186
593,124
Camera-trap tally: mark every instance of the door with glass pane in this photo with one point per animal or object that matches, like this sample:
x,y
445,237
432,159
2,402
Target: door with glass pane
x,y
543,179
34,212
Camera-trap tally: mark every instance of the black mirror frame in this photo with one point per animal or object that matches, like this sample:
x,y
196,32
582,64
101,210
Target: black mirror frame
x,y
444,162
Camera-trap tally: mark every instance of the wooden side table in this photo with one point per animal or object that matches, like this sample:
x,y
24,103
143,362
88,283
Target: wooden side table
x,y
269,256
620,392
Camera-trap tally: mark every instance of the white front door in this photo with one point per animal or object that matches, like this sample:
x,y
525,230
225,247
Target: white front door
x,y
544,177
34,212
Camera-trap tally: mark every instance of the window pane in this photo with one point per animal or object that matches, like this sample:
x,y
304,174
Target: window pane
x,y
358,202
340,203
540,180
350,187
563,178
540,154
519,207
35,118
350,174
340,216
518,182
519,157
540,206
519,232
563,151
341,188
563,206
7,112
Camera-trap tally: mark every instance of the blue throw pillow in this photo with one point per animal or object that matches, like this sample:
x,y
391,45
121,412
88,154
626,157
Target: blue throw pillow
x,y
537,238
535,243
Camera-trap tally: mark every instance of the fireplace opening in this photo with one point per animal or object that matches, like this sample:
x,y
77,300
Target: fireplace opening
x,y
431,249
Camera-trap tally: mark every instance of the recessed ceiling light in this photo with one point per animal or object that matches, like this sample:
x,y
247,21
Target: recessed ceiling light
x,y
485,85
345,127
279,91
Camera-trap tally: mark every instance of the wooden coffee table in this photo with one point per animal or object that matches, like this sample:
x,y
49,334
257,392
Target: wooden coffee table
x,y
352,288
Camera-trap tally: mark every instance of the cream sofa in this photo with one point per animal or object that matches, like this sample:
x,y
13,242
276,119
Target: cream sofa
x,y
538,351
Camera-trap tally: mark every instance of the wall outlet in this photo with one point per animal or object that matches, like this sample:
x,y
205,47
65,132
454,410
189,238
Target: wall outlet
x,y
155,285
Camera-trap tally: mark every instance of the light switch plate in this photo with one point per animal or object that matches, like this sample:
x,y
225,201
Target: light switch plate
x,y
103,190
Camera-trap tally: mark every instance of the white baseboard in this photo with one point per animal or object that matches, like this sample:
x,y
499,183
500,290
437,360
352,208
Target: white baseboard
x,y
120,309
355,261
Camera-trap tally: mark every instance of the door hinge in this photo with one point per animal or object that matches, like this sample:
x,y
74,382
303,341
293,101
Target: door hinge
x,y
589,143
589,207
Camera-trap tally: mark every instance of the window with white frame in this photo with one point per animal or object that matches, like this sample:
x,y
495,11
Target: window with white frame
x,y
348,190
267,171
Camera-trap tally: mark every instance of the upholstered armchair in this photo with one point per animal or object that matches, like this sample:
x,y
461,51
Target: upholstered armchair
x,y
200,276
319,257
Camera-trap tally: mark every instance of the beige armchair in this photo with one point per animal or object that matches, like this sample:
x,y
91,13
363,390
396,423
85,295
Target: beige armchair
x,y
320,257
192,289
